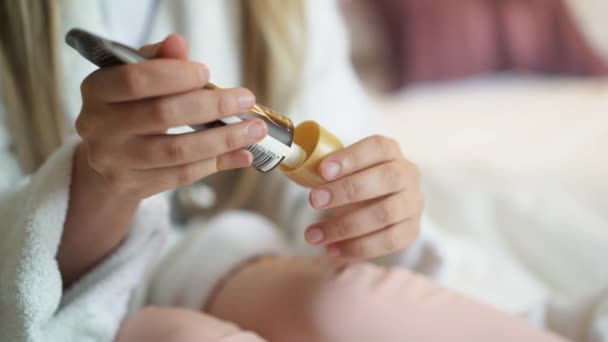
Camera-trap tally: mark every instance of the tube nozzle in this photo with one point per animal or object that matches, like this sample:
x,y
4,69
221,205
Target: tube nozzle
x,y
296,157
315,143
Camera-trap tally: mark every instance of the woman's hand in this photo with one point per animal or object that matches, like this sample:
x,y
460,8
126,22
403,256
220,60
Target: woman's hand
x,y
127,109
376,195
125,155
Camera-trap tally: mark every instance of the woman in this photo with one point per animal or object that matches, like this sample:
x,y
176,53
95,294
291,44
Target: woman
x,y
89,223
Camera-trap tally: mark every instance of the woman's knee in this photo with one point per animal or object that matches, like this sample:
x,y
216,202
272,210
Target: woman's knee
x,y
302,299
347,305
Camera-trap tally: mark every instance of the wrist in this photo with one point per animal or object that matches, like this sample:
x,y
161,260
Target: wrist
x,y
97,220
85,176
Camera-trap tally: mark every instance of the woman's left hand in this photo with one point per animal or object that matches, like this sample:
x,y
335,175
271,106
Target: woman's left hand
x,y
375,193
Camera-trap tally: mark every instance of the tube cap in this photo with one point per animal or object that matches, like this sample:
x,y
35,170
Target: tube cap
x,y
318,143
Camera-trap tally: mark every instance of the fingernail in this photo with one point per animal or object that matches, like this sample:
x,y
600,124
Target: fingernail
x,y
242,159
315,236
234,160
257,130
154,48
331,170
246,100
150,50
320,198
203,73
333,251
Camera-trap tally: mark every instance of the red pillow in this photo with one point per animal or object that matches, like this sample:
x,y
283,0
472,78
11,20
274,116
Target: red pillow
x,y
541,35
441,39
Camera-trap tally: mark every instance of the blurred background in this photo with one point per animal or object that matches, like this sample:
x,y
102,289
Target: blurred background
x,y
504,106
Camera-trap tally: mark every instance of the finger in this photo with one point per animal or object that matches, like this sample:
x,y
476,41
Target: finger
x,y
183,175
174,46
156,77
374,216
195,107
150,50
169,150
371,183
390,240
345,209
368,152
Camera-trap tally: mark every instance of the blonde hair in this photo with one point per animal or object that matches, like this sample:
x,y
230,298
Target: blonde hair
x,y
29,65
272,58
30,76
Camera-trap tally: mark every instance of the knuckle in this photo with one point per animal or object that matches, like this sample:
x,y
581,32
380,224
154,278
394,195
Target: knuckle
x,y
232,140
132,80
87,85
350,157
84,127
351,190
225,104
391,240
394,173
386,211
380,142
175,150
385,144
341,229
99,157
188,175
163,112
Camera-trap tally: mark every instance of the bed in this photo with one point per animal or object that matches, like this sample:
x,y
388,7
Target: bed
x,y
516,178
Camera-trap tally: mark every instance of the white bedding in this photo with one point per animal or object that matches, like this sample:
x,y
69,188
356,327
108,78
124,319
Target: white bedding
x,y
516,177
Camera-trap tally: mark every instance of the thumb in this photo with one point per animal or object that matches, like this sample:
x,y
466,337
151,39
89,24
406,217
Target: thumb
x,y
174,46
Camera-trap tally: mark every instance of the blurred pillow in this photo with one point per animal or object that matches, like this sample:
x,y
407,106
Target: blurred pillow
x,y
542,35
434,40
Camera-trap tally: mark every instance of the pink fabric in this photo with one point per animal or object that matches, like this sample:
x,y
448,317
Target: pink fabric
x,y
179,325
440,40
541,35
318,300
305,300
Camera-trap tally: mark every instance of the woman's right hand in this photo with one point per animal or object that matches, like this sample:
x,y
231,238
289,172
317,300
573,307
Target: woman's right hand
x,y
127,110
126,156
